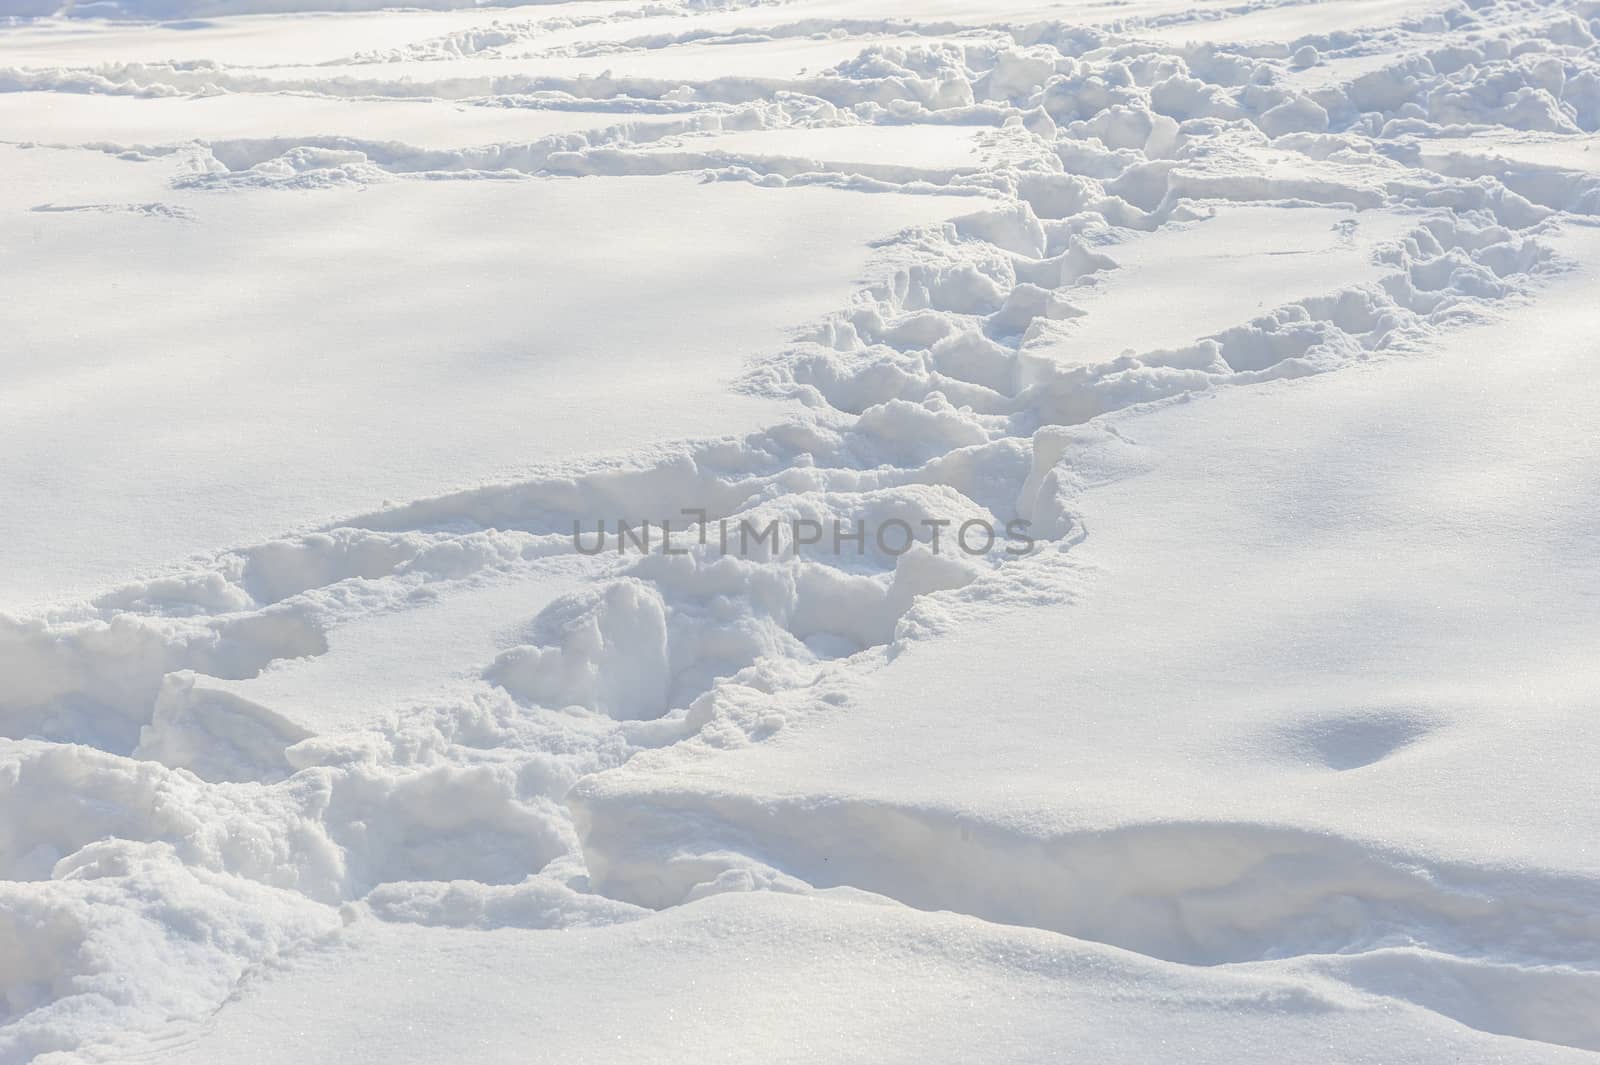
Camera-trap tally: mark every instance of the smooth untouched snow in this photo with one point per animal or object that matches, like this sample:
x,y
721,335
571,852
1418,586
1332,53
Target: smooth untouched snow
x,y
131,122
324,326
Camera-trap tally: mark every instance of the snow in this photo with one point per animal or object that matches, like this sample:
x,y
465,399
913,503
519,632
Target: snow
x,y
133,122
919,147
1341,635
1567,153
1212,275
1253,340
380,664
284,328
776,60
727,976
265,39
1290,22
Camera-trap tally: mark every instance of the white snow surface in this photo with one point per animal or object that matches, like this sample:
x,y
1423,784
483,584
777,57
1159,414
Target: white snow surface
x,y
323,739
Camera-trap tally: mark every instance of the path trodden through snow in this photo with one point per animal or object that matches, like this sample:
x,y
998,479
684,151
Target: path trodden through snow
x,y
1273,325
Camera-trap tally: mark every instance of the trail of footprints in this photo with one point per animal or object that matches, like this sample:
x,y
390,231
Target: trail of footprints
x,y
921,403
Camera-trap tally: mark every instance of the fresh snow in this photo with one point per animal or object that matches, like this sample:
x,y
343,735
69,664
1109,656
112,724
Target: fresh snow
x,y
1282,23
920,147
781,978
1211,273
151,123
770,61
314,376
1566,153
324,327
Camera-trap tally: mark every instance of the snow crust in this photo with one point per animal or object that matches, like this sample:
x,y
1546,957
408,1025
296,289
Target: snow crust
x,y
322,740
